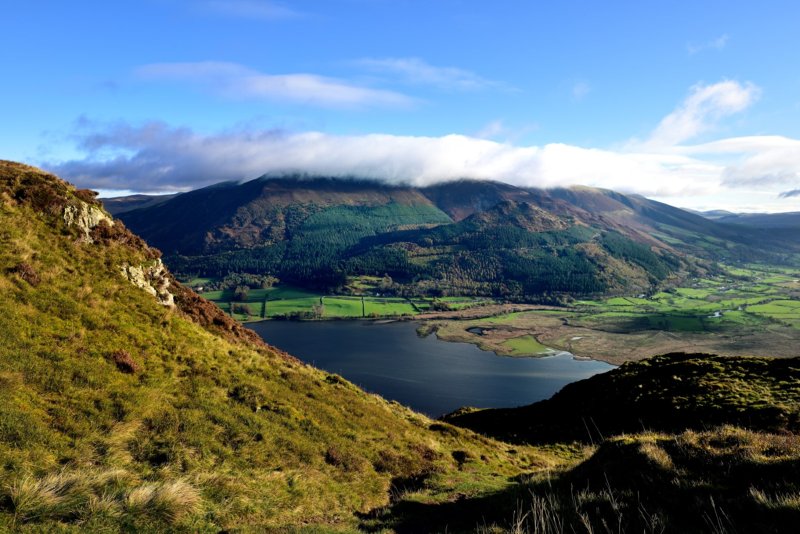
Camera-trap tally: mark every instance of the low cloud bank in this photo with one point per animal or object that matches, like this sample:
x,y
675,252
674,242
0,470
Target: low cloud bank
x,y
157,157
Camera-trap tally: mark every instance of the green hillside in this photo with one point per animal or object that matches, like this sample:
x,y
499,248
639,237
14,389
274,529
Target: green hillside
x,y
478,239
119,412
664,458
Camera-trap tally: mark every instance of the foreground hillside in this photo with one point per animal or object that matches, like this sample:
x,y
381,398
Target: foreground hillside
x,y
667,393
665,458
119,410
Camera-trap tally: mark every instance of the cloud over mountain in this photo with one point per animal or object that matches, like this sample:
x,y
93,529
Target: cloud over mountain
x,y
158,157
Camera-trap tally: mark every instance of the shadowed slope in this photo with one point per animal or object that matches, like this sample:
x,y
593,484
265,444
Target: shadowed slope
x,y
665,393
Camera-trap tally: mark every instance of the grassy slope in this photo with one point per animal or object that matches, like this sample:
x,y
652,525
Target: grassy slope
x,y
659,462
209,432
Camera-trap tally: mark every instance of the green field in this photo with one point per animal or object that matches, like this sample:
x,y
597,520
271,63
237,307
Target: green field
x,y
749,296
282,302
751,310
742,296
526,346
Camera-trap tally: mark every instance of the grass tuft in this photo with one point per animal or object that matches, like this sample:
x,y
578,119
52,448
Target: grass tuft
x,y
165,501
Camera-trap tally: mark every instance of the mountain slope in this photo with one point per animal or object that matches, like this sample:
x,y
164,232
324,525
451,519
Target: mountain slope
x,y
758,220
317,232
518,249
118,205
229,215
122,411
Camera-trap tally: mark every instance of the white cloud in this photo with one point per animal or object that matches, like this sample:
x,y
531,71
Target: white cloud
x,y
701,110
253,9
740,173
156,157
717,44
418,72
237,81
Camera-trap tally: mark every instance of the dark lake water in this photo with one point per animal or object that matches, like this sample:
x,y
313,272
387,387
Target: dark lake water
x,y
431,376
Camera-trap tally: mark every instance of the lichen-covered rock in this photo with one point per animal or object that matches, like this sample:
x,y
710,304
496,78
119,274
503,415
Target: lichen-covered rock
x,y
152,278
85,217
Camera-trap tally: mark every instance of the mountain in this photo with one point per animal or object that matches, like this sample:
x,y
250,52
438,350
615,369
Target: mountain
x,y
461,237
789,220
128,403
714,215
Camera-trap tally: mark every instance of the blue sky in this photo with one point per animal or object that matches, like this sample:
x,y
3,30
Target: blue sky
x,y
693,103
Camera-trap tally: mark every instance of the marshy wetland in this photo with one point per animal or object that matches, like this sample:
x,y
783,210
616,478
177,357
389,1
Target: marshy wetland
x,y
745,311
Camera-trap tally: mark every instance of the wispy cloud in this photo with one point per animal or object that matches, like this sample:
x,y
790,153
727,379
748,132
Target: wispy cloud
x,y
418,72
491,130
714,44
701,110
251,9
581,90
233,80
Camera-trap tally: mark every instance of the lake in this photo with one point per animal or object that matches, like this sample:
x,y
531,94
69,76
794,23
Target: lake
x,y
431,376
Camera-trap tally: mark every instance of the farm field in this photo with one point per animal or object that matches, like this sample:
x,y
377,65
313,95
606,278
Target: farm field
x,y
286,302
752,310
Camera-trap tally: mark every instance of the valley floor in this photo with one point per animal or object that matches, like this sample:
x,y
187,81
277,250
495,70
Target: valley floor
x,y
753,310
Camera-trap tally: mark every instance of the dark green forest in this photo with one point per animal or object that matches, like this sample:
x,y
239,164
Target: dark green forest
x,y
480,255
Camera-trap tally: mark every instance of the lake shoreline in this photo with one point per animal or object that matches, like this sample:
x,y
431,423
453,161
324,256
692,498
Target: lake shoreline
x,y
423,330
429,374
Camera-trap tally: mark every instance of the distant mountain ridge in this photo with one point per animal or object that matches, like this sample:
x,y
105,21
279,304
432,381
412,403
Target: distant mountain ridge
x,y
756,220
118,205
461,237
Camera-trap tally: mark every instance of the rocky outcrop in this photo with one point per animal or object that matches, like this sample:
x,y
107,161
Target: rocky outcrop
x,y
154,279
85,217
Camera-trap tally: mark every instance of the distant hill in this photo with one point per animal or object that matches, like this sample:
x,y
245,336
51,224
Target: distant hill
x,y
714,214
119,205
789,220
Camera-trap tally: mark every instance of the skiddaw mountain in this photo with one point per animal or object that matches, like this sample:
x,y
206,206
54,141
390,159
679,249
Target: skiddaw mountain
x,y
456,238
